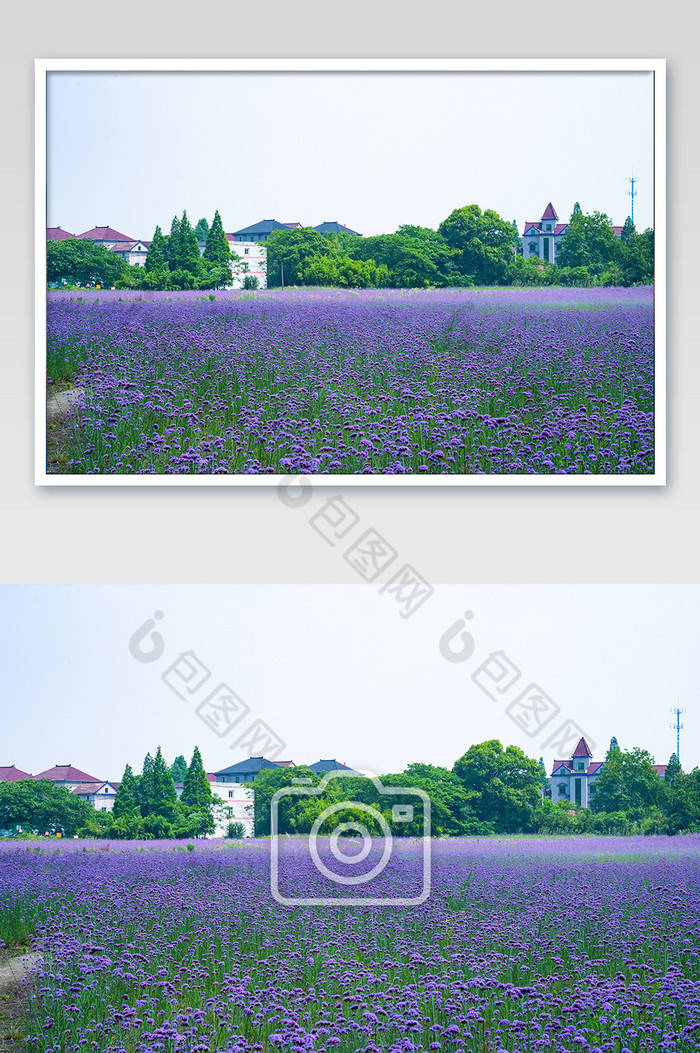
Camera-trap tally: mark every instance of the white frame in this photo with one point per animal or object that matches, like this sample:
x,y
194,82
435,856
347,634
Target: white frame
x,y
655,66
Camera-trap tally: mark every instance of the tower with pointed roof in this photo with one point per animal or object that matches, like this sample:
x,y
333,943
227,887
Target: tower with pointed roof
x,y
542,238
574,779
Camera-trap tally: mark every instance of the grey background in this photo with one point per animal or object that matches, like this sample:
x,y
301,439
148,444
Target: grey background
x,y
478,534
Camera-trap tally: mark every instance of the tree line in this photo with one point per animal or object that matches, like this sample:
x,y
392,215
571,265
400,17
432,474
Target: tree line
x,y
146,805
470,247
173,261
489,790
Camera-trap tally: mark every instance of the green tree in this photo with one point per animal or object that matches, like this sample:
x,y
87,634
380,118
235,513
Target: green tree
x,y
178,769
157,255
290,252
174,245
189,249
482,241
39,806
79,261
164,800
146,786
613,747
627,231
503,786
196,800
627,783
590,242
202,230
673,769
217,248
126,801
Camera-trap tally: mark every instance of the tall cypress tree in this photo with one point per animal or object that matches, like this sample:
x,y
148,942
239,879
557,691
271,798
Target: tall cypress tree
x,y
125,803
202,230
197,791
178,769
217,248
157,258
189,249
146,788
673,769
164,801
174,246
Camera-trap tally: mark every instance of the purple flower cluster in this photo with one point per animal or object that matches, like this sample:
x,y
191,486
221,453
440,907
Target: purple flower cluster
x,y
507,381
589,945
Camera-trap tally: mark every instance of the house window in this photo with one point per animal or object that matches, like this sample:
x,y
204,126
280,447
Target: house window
x,y
549,226
581,766
545,246
532,246
247,251
577,791
230,793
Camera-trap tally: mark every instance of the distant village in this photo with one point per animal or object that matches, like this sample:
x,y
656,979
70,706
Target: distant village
x,y
573,779
247,244
541,239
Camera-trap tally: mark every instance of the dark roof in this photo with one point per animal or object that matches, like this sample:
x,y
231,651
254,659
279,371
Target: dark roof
x,y
334,227
549,212
582,749
12,774
295,225
65,773
265,226
252,764
56,234
105,234
328,765
286,763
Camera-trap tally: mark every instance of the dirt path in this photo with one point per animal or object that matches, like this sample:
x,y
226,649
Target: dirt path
x,y
58,406
12,972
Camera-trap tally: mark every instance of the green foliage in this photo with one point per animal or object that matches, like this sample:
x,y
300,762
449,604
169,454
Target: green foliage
x,y
589,242
251,281
126,804
201,231
178,769
79,261
235,829
157,255
673,769
503,786
164,799
628,783
217,249
482,242
39,806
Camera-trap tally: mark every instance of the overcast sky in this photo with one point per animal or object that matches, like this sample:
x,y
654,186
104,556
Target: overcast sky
x,y
336,672
371,150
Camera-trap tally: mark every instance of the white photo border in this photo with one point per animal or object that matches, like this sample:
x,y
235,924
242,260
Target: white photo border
x,y
657,67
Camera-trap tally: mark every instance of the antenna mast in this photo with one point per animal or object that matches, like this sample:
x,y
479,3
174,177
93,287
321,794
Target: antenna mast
x,y
632,192
677,727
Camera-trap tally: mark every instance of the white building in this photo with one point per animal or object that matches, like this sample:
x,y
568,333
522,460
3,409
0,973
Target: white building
x,y
237,807
134,252
253,257
99,794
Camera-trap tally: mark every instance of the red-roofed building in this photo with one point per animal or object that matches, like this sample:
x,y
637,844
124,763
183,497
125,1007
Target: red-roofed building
x,y
66,775
12,774
57,234
105,236
574,779
543,237
99,794
134,252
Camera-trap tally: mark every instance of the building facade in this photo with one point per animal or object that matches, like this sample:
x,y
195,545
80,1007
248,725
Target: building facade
x,y
574,780
543,237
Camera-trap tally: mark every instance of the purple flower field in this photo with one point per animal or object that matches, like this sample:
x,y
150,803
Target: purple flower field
x,y
526,944
464,381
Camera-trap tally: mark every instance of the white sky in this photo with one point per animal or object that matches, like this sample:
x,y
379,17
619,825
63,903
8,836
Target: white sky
x,y
371,150
338,673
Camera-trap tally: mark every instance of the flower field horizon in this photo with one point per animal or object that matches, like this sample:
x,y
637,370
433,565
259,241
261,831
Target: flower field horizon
x,y
588,944
484,381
